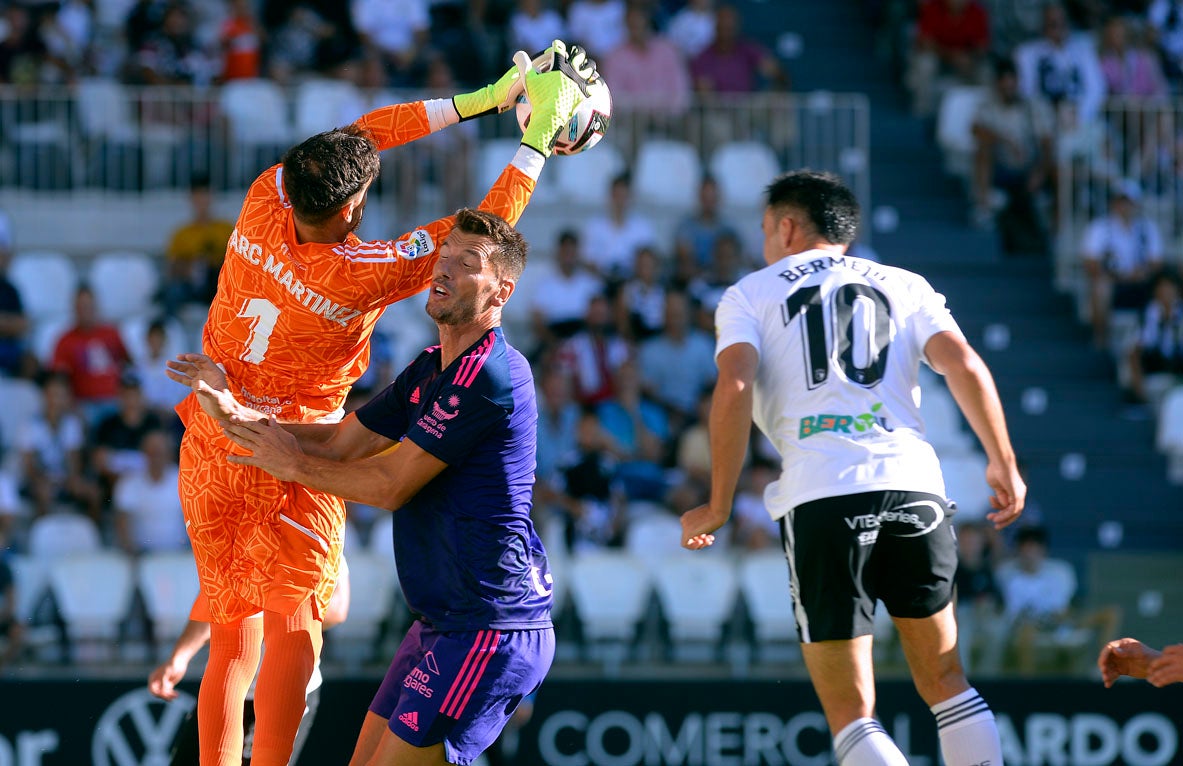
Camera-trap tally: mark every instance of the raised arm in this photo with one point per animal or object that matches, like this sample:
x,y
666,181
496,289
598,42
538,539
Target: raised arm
x,y
973,388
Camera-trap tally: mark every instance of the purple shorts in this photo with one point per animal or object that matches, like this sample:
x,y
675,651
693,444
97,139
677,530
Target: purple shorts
x,y
460,688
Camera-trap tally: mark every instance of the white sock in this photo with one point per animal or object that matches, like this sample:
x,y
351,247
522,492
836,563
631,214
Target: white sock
x,y
864,742
968,734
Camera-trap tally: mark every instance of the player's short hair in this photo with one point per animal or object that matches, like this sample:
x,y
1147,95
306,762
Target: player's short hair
x,y
509,255
828,205
323,172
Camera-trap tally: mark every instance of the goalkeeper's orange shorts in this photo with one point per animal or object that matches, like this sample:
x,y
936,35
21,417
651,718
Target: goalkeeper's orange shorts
x,y
259,543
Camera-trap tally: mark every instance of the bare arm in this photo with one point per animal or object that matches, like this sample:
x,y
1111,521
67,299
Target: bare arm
x,y
973,387
730,427
387,480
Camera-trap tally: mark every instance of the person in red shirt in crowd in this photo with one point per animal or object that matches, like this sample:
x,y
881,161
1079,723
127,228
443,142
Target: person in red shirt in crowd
x,y
733,63
241,41
952,43
93,356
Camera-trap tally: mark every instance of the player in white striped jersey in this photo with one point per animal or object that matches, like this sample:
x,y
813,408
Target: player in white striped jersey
x,y
823,351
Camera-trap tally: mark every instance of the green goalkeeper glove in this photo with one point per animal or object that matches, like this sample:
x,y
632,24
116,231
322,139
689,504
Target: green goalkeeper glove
x,y
491,99
556,82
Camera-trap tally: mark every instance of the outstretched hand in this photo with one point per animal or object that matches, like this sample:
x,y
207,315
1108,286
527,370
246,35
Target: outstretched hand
x,y
208,381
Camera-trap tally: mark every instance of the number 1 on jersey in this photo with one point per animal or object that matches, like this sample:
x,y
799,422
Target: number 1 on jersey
x,y
263,314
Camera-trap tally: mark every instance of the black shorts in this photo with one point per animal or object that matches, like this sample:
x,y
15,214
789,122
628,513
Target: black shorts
x,y
847,552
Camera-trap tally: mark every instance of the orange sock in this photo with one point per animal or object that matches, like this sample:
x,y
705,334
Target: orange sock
x,y
233,659
292,647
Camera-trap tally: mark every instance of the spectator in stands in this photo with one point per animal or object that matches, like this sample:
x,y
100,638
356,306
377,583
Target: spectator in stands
x,y
67,32
117,437
590,503
298,33
195,252
1131,657
22,51
726,266
145,19
692,28
754,527
161,395
1158,157
396,33
1122,252
1037,593
148,516
647,73
1158,353
558,310
593,355
693,449
681,347
532,26
698,232
639,428
952,42
1165,26
733,63
241,42
171,55
611,239
1013,153
1129,70
598,25
640,302
1063,70
51,445
13,323
460,35
980,625
558,422
11,628
92,356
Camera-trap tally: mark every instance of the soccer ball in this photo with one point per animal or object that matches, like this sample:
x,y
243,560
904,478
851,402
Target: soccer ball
x,y
587,125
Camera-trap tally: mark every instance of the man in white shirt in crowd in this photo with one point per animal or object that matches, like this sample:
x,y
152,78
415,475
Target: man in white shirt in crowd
x,y
612,239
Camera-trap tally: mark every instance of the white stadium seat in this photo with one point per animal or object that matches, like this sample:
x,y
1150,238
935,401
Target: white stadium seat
x,y
124,284
22,402
667,174
965,485
47,282
697,594
743,170
610,590
764,583
105,111
257,111
63,533
1170,433
168,584
373,586
955,126
93,593
324,104
586,178
492,157
653,537
942,422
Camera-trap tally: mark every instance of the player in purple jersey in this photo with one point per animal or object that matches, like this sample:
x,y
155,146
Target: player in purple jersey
x,y
472,568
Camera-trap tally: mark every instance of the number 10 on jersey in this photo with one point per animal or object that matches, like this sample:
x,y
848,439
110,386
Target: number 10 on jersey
x,y
862,330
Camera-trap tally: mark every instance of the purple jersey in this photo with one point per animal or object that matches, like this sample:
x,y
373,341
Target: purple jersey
x,y
467,554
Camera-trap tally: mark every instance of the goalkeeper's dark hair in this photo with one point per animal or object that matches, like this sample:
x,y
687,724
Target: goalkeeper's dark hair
x,y
322,173
825,202
509,255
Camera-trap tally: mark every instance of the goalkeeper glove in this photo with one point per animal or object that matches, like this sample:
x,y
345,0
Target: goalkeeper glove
x,y
556,82
491,99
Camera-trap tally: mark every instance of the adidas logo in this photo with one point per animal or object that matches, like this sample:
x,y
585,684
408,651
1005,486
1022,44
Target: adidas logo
x,y
411,719
415,395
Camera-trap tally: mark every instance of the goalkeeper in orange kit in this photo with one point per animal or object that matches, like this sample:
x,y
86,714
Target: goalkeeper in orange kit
x,y
297,300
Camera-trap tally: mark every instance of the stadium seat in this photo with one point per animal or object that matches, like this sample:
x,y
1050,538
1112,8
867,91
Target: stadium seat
x,y
257,111
61,534
584,178
743,170
355,542
105,111
653,537
381,541
667,174
492,157
93,592
955,127
697,595
764,584
373,588
324,104
124,284
1170,432
43,337
965,485
168,585
942,422
610,590
47,282
22,402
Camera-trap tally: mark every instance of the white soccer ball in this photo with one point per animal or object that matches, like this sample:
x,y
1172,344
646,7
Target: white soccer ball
x,y
587,125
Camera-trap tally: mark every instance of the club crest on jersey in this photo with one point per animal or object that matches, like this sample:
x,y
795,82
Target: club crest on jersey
x,y
416,246
864,423
441,414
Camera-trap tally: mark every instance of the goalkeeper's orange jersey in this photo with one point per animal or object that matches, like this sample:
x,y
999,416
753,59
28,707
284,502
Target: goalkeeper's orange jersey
x,y
291,322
